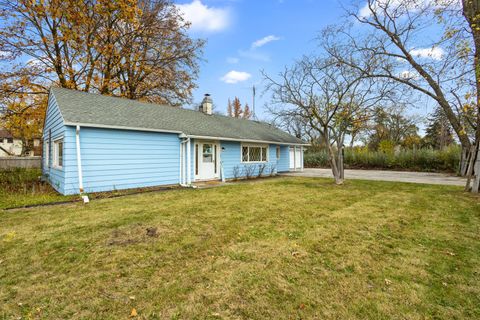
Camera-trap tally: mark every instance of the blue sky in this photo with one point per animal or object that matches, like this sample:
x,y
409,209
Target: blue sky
x,y
247,36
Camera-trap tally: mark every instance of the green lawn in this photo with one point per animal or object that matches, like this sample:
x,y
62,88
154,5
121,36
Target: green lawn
x,y
285,248
23,187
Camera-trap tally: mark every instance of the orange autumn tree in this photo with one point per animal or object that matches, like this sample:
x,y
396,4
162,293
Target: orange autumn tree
x,y
127,48
234,109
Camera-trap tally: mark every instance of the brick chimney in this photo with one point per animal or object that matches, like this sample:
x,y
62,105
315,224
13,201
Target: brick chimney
x,y
207,104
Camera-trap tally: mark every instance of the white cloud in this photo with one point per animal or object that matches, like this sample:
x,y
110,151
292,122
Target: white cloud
x,y
264,41
407,74
233,60
435,53
204,18
5,54
35,63
233,77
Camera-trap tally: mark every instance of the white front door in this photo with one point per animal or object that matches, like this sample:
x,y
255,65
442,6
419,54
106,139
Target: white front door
x,y
207,160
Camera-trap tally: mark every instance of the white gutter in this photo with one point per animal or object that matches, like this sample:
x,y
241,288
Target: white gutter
x,y
248,140
102,126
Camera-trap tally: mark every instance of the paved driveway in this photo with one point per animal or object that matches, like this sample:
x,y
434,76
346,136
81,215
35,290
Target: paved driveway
x,y
400,176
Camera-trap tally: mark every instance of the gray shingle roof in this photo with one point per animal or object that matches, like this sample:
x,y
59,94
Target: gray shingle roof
x,y
91,109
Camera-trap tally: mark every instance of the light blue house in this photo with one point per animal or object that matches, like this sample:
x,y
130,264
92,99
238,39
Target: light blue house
x,y
95,143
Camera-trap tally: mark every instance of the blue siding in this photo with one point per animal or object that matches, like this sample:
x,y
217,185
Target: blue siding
x,y
283,164
53,123
231,159
121,159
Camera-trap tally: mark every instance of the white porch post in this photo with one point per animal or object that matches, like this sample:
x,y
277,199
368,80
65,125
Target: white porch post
x,y
301,158
294,158
189,173
181,163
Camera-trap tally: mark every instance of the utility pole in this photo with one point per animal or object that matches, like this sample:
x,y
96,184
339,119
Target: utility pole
x,y
253,102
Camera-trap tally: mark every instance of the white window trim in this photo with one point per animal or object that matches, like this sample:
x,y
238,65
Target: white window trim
x,y
254,145
278,152
55,163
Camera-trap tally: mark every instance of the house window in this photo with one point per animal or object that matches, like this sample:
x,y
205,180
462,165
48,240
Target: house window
x,y
207,153
278,152
1,140
58,153
254,153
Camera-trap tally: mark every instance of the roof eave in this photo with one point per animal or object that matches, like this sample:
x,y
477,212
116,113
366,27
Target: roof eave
x,y
101,126
248,140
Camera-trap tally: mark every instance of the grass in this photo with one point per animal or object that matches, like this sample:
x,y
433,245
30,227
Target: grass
x,y
284,248
427,160
22,187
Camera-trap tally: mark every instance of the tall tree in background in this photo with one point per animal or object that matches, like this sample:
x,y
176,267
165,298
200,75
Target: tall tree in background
x,y
229,108
235,109
438,133
246,112
391,124
127,48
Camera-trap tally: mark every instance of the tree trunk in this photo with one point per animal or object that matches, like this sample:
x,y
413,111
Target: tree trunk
x,y
471,12
337,172
464,161
473,170
476,170
340,166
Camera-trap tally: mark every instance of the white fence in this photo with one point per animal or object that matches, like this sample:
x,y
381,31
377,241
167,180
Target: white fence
x,y
20,162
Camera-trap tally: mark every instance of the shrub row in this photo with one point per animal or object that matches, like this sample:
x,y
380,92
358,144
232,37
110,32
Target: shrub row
x,y
428,160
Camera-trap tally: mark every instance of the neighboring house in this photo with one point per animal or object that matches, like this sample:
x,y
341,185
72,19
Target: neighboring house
x,y
12,146
96,143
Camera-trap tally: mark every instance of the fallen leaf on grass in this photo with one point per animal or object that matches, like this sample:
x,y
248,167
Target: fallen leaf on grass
x,y
133,313
388,282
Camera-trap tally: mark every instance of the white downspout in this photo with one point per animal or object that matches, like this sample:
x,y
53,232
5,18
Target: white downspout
x,y
189,173
183,178
79,164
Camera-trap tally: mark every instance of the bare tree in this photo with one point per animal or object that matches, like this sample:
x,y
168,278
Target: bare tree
x,y
329,97
441,69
